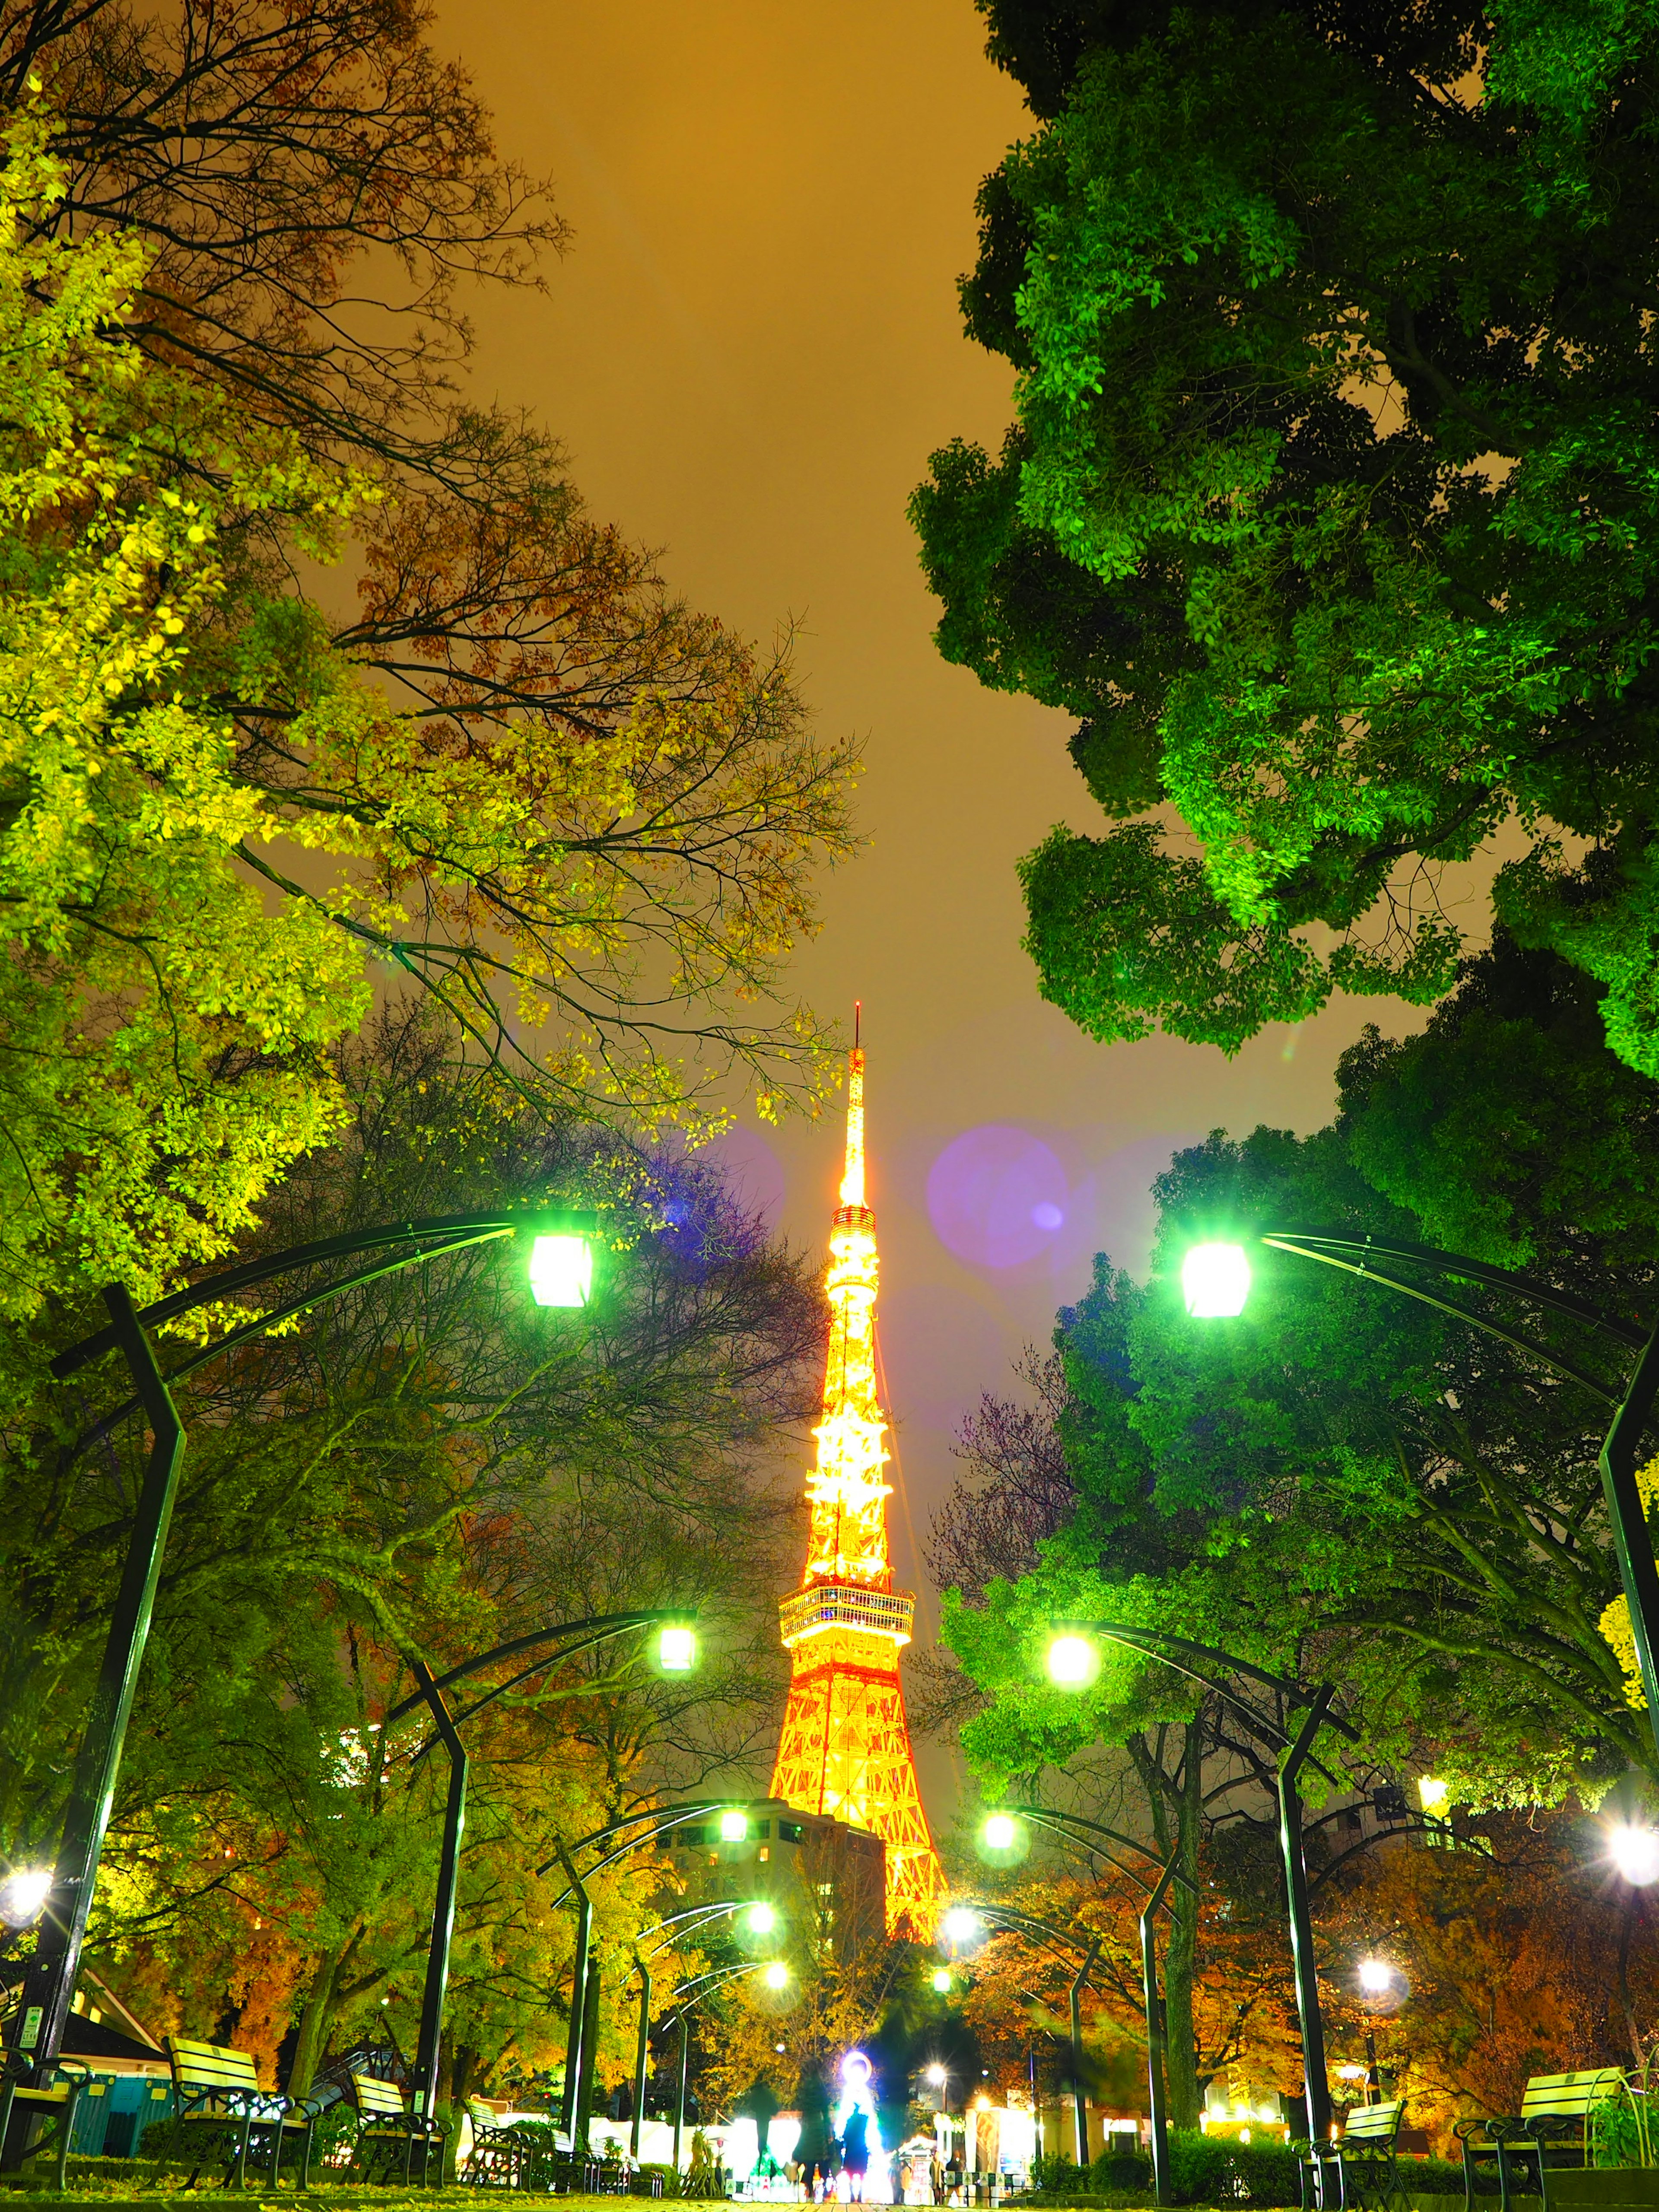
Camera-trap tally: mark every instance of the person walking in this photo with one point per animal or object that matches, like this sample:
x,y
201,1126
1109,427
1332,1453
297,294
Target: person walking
x,y
812,2146
855,2152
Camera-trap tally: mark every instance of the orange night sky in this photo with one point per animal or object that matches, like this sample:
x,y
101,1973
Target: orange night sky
x,y
750,350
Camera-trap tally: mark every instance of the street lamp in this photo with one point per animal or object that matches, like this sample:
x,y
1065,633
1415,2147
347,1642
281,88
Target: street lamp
x,y
962,1925
1081,1833
1212,1266
585,1636
776,1976
760,1919
1376,1976
942,1983
50,1976
1199,1663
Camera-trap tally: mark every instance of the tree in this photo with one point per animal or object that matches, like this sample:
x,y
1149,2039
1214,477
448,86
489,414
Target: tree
x,y
161,1030
422,1470
586,828
260,153
1326,508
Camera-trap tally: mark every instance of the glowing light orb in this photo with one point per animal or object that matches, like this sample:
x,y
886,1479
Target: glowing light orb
x,y
1000,1831
1635,1853
1073,1661
942,1981
1376,1977
961,1925
676,1650
734,1826
1215,1281
762,1920
22,1894
560,1271
855,2069
776,1976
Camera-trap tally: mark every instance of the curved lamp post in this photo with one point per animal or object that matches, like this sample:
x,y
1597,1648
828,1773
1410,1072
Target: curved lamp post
x,y
676,1654
560,1274
963,1922
763,1921
651,1825
1065,1826
1216,1284
1072,1663
776,1973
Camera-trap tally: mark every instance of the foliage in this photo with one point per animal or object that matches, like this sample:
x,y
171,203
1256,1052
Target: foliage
x,y
1339,1480
585,823
160,1030
424,1468
1329,504
338,134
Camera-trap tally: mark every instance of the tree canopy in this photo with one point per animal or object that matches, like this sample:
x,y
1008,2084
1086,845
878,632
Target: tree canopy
x,y
1328,508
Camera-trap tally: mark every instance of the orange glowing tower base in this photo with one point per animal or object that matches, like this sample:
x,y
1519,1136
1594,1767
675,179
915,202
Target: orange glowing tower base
x,y
846,1747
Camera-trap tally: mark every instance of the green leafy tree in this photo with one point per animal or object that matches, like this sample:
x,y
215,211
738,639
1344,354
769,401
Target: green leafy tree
x,y
1329,507
1342,1483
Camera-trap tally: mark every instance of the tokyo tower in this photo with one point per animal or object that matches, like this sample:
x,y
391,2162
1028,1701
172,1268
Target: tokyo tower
x,y
845,1748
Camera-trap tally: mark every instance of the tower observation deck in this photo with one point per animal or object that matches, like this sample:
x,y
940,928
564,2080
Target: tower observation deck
x,y
845,1748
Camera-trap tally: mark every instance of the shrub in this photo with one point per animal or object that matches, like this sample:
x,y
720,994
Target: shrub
x,y
1209,2170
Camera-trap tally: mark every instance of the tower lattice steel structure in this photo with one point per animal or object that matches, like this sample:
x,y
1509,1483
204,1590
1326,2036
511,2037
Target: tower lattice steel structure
x,y
846,1746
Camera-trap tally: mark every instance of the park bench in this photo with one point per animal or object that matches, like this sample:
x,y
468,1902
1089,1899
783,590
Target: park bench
x,y
392,2140
1551,2130
222,2112
53,2107
1362,2162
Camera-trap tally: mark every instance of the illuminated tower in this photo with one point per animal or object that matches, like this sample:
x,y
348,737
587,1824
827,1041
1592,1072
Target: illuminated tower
x,y
845,1747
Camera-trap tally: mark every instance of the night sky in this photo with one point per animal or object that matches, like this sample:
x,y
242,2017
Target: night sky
x,y
750,350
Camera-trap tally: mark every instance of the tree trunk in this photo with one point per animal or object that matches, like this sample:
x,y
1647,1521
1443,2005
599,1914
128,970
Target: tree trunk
x,y
315,2022
1181,2041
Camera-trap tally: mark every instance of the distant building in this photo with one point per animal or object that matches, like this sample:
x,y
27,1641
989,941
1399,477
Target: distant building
x,y
813,1868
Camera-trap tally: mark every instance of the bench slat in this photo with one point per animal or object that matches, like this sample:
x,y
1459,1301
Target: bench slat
x,y
382,2099
211,2066
1366,2122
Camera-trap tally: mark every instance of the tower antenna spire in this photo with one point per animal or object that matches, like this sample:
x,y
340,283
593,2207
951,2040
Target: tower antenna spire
x,y
845,1747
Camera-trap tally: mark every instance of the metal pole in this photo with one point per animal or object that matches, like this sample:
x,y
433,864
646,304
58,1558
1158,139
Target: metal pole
x,y
679,2104
49,1981
573,2047
1159,2127
581,2141
1373,2079
425,2086
1630,1538
1302,1950
1080,2110
642,2054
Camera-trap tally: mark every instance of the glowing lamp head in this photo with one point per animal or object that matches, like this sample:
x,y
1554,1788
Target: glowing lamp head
x,y
1635,1853
760,1920
560,1271
1376,1977
23,1894
961,1925
1001,1832
936,2075
1215,1281
734,1826
942,1981
1434,1796
776,1976
677,1649
1073,1661
855,2071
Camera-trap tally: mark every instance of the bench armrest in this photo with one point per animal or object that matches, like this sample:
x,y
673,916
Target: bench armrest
x,y
1466,2130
